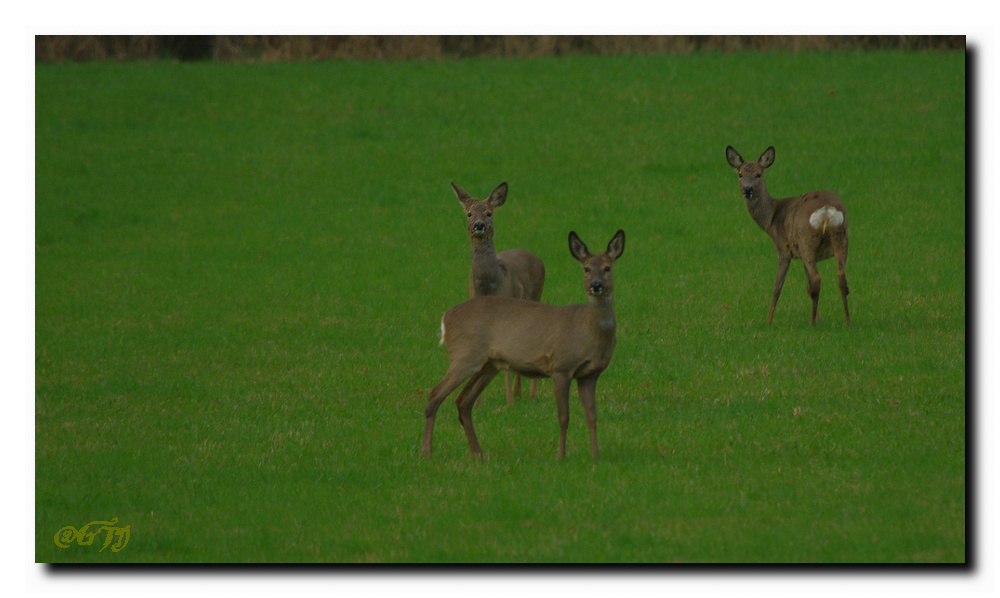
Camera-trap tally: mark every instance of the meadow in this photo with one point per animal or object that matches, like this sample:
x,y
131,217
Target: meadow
x,y
241,270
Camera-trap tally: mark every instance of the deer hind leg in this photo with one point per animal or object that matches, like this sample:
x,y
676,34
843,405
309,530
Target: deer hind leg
x,y
452,378
467,398
561,383
840,252
783,262
813,280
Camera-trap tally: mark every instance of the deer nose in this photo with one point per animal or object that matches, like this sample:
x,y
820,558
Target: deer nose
x,y
479,227
596,288
747,191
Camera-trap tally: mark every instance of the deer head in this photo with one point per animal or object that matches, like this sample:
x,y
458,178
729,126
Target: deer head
x,y
751,174
479,212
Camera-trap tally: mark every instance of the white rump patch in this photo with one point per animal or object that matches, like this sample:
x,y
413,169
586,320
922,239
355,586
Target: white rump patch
x,y
831,215
441,342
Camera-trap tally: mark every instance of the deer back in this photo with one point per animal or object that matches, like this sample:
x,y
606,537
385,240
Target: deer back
x,y
537,339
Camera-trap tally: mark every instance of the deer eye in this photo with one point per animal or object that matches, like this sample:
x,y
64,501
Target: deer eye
x,y
468,214
607,268
489,214
586,269
757,176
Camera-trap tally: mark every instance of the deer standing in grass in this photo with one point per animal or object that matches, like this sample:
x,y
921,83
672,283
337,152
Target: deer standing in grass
x,y
511,273
487,334
810,227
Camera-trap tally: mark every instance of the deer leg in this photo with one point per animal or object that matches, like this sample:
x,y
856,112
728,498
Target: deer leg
x,y
587,387
840,250
534,387
467,398
507,386
813,282
452,378
561,383
783,262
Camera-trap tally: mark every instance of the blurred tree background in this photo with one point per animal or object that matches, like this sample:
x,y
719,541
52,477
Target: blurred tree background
x,y
288,48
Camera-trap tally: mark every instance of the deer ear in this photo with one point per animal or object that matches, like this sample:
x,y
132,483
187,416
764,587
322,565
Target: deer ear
x,y
617,245
733,157
498,196
767,158
577,248
462,194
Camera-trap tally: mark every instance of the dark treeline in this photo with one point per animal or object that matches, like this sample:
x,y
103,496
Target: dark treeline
x,y
287,48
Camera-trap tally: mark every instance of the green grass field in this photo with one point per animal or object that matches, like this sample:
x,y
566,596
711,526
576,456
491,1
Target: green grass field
x,y
241,269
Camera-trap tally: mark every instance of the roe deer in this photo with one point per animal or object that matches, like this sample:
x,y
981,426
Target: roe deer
x,y
810,227
511,273
487,334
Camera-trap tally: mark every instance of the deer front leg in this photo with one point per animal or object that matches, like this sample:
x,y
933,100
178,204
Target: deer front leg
x,y
783,261
507,386
587,387
561,383
517,388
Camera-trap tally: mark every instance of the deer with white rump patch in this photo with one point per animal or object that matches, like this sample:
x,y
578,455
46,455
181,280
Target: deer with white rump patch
x,y
511,273
487,334
810,227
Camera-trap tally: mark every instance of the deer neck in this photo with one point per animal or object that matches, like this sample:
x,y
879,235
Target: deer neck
x,y
601,316
761,208
486,270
